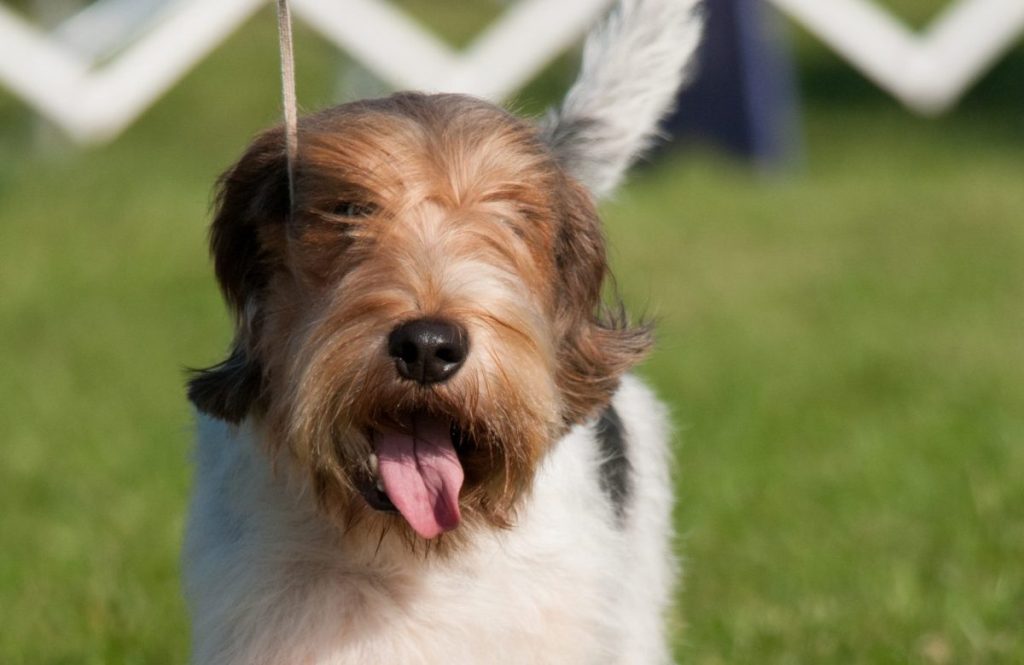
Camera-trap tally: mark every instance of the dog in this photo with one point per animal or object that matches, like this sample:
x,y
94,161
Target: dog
x,y
425,445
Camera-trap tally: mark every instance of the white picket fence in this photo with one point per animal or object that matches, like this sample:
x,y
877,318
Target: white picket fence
x,y
99,70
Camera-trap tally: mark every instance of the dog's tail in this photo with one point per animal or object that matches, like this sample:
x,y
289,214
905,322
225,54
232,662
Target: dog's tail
x,y
633,66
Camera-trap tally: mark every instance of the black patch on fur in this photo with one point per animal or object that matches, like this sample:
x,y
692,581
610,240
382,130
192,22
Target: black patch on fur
x,y
229,390
616,471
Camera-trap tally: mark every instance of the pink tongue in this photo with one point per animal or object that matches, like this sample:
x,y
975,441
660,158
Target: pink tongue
x,y
422,474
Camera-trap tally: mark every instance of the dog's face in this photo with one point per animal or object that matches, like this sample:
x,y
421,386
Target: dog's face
x,y
426,323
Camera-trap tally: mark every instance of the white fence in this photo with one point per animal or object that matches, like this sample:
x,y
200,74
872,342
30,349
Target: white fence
x,y
929,71
147,46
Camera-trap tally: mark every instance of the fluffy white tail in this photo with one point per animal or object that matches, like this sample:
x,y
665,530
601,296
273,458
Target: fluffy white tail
x,y
633,67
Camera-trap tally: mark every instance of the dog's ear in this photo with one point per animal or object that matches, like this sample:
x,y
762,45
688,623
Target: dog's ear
x,y
229,389
598,345
252,208
632,69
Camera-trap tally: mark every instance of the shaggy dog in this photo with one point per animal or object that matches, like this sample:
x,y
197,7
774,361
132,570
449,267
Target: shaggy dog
x,y
425,446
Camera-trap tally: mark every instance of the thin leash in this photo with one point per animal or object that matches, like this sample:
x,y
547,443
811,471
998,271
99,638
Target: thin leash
x,y
291,114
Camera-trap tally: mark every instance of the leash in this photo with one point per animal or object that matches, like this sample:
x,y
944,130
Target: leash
x,y
291,115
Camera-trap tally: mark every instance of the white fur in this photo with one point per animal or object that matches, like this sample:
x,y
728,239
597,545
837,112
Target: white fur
x,y
270,582
632,70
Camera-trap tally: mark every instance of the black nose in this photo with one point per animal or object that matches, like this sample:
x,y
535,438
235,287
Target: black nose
x,y
428,351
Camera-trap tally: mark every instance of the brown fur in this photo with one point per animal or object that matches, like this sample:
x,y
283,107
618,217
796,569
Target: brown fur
x,y
468,217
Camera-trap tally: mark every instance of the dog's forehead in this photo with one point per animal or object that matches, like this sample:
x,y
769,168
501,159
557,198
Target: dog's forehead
x,y
434,145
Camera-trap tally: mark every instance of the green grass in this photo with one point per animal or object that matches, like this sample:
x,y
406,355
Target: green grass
x,y
842,345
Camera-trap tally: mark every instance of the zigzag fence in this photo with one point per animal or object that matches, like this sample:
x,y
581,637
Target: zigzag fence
x,y
99,70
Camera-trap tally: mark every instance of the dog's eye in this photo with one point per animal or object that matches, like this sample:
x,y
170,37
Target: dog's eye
x,y
513,226
353,209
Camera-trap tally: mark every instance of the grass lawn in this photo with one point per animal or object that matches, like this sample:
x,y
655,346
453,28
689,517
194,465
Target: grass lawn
x,y
842,346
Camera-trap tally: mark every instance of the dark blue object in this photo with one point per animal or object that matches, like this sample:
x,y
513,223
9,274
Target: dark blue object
x,y
743,98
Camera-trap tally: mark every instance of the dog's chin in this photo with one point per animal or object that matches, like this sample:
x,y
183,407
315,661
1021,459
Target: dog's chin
x,y
420,465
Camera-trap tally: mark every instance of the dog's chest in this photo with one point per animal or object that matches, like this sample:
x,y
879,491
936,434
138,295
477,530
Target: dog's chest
x,y
542,593
268,585
507,610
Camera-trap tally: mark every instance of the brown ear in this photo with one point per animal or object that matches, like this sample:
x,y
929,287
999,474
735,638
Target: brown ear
x,y
229,389
598,343
251,208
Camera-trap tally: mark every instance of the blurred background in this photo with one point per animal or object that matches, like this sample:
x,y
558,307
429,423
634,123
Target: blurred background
x,y
838,280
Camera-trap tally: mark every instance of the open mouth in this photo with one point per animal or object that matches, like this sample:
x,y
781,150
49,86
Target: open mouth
x,y
416,471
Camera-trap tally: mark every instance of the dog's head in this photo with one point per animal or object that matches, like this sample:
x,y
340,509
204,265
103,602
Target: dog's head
x,y
428,320
422,319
